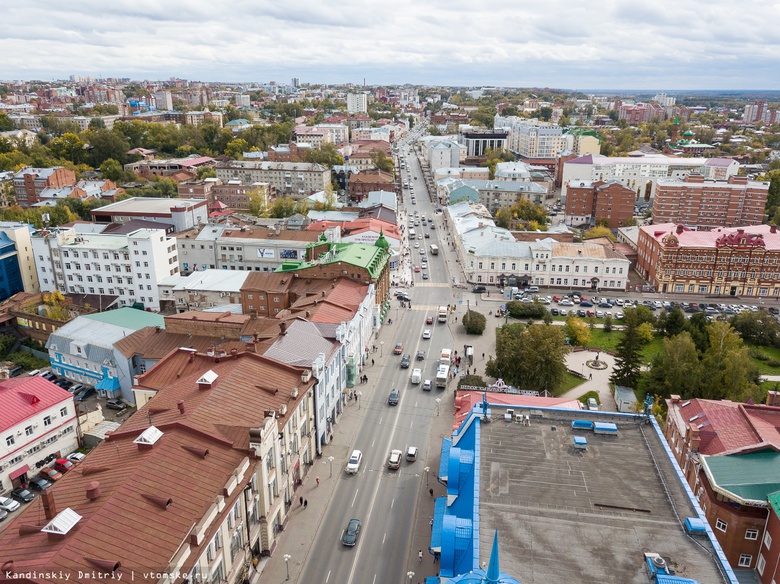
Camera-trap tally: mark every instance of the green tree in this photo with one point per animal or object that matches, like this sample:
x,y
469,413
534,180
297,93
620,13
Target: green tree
x,y
104,144
577,331
628,358
286,207
675,323
326,155
111,169
382,161
205,172
236,148
68,147
608,323
676,369
6,123
545,113
730,372
599,231
474,322
758,328
697,328
257,202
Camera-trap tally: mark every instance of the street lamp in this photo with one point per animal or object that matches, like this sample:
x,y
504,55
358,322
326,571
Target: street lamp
x,y
438,401
358,398
427,470
381,348
287,558
330,460
410,575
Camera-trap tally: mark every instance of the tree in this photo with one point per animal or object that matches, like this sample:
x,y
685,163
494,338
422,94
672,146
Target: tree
x,y
6,123
382,161
628,358
676,369
758,328
674,323
730,372
286,207
474,322
205,172
111,169
257,202
599,231
104,144
576,331
68,147
236,148
608,323
697,328
545,113
326,155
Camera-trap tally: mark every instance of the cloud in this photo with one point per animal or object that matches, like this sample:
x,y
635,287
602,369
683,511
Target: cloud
x,y
693,44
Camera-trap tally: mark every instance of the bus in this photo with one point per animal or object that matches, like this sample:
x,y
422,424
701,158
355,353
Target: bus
x,y
434,249
412,234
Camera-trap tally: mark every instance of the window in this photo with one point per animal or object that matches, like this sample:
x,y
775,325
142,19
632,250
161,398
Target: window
x,y
9,441
47,421
28,431
721,525
751,534
745,560
63,412
761,564
767,540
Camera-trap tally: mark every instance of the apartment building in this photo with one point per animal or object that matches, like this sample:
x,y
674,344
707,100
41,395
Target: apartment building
x,y
704,204
38,426
736,261
295,179
588,202
532,138
19,235
477,143
362,183
128,266
182,214
30,182
357,103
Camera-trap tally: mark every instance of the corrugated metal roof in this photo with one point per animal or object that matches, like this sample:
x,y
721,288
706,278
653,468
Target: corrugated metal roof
x,y
750,477
23,397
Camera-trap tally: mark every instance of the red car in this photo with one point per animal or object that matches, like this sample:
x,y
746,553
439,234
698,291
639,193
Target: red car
x,y
429,320
416,268
63,465
50,474
399,348
556,298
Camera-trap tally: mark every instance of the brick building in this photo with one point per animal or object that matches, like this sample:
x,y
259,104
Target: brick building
x,y
703,204
723,262
30,182
587,202
362,183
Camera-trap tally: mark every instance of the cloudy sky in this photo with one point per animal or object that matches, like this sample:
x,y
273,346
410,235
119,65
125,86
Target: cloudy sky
x,y
606,44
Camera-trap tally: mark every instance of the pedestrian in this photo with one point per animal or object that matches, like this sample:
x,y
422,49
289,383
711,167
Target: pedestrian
x,y
305,503
318,481
419,555
431,492
372,362
590,376
301,501
483,356
366,378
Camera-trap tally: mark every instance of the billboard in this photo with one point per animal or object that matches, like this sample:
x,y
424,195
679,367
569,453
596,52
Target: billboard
x,y
288,254
266,253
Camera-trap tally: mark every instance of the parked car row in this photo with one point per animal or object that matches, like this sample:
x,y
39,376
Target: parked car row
x,y
42,481
79,390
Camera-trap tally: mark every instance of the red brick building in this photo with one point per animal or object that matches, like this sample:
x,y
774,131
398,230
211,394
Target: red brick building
x,y
722,262
587,202
30,182
704,204
362,183
767,564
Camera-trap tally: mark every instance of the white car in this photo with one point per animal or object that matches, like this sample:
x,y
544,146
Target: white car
x,y
76,456
353,464
427,385
427,334
562,312
619,315
9,505
565,302
416,376
416,245
424,265
619,301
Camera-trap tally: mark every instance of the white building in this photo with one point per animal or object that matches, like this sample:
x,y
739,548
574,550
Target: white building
x,y
298,179
202,289
163,100
128,266
357,103
183,214
531,138
20,234
38,425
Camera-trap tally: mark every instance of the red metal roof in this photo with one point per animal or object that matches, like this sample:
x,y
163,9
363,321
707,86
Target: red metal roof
x,y
23,397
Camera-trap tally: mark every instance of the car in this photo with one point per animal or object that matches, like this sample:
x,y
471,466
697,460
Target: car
x,y
424,265
427,385
404,297
350,534
39,483
392,399
420,355
3,514
22,495
48,375
116,404
427,235
590,313
582,313
619,301
394,461
479,289
425,275
353,464
427,334
34,372
416,376
416,245
532,289
9,505
63,465
565,302
406,360
85,393
562,312
411,453
416,268
76,387
619,315
556,299
604,304
586,303
63,383
399,348
76,457
433,227
49,474
428,320
554,312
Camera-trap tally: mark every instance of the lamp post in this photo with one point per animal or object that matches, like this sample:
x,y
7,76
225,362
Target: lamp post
x,y
438,401
358,398
381,348
330,460
427,470
410,575
287,558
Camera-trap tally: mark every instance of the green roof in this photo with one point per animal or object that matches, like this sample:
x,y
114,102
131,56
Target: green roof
x,y
774,501
130,318
370,257
747,478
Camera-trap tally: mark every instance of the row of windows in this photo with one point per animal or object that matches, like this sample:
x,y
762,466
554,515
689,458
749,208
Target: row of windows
x,y
29,430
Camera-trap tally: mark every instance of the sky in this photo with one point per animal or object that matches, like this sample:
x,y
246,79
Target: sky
x,y
568,44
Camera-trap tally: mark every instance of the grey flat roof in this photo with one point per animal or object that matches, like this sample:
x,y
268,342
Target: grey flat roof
x,y
583,516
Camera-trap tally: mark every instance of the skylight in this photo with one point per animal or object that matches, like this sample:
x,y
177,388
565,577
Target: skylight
x,y
63,522
148,436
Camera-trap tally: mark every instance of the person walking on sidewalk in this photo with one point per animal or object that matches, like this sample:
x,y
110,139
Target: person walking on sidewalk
x,y
305,503
419,555
301,501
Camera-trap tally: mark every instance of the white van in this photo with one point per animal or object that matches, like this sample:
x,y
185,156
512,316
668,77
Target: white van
x,y
416,376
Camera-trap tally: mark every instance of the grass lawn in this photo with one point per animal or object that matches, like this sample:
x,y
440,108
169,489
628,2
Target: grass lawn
x,y
569,382
763,366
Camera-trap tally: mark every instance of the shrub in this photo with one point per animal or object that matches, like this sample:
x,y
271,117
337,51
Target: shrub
x,y
758,355
27,360
474,322
526,310
773,363
472,380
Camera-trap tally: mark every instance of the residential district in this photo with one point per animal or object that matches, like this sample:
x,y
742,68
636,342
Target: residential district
x,y
350,334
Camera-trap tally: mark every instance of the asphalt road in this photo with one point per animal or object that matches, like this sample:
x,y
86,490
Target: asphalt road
x,y
384,500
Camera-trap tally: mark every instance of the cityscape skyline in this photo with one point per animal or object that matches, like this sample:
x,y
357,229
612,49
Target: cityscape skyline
x,y
697,47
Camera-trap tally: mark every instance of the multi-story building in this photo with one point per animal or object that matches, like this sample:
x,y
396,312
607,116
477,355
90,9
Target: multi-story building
x,y
357,103
640,173
170,167
443,153
495,195
362,183
38,426
296,179
477,143
128,266
163,100
30,182
588,202
201,289
704,204
760,112
11,280
292,152
640,113
739,261
198,189
531,138
238,195
244,465
183,214
19,234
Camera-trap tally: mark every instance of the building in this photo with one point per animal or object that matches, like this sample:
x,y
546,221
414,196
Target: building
x,y
716,441
357,103
531,138
640,173
494,195
38,425
20,234
759,112
477,143
363,183
38,315
200,290
125,265
30,182
174,168
589,202
197,189
245,465
228,247
163,100
83,350
11,280
489,443
183,214
292,152
704,204
463,172
738,261
295,179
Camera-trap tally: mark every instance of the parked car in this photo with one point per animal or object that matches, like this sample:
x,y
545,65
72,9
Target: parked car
x,y
406,360
399,348
586,303
76,457
63,465
39,484
479,289
554,311
22,495
3,514
392,399
9,505
353,464
85,393
76,387
116,404
49,474
350,534
394,462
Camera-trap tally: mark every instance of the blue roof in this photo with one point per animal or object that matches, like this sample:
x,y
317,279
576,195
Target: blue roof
x,y
108,384
439,510
444,463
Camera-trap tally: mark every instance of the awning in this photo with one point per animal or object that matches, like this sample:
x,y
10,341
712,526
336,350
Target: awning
x,y
437,527
18,472
108,384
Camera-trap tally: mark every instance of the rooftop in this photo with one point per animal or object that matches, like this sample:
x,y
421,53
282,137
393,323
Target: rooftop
x,y
207,281
747,478
146,206
22,397
667,233
129,318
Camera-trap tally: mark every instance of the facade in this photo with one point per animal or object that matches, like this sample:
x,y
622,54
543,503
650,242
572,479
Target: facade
x,y
29,183
170,167
640,173
197,189
478,143
495,195
201,289
357,103
11,280
723,262
181,213
588,202
38,424
296,179
128,266
769,570
363,183
704,204
531,138
238,195
467,172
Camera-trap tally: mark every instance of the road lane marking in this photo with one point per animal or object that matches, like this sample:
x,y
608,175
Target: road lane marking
x,y
327,577
355,498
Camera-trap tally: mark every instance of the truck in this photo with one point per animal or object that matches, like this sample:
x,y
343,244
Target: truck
x,y
446,357
434,249
443,313
442,374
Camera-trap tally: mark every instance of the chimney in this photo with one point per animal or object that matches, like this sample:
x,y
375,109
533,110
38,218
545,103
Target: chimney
x,y
27,530
282,328
772,398
674,399
161,502
680,228
695,440
8,568
773,228
104,565
234,353
180,405
93,490
249,347
49,506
